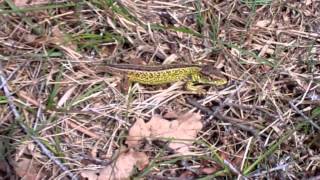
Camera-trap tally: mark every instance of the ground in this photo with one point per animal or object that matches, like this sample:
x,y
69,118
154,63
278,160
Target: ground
x,y
62,119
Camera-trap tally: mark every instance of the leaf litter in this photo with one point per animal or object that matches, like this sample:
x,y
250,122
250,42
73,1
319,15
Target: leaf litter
x,y
180,132
122,167
275,45
28,169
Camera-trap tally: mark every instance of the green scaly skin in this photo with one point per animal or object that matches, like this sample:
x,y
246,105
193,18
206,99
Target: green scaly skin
x,y
156,75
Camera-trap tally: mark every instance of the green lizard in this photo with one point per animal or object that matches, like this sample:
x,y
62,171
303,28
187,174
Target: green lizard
x,y
156,75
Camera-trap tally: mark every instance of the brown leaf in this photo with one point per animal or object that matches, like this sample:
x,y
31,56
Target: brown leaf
x,y
27,169
107,50
239,158
187,175
66,96
183,131
24,3
210,170
121,169
137,132
63,41
263,23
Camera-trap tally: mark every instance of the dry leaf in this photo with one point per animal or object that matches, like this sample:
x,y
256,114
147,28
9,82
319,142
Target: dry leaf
x,y
239,158
23,3
121,169
210,170
107,50
183,131
137,132
225,156
187,175
263,23
66,96
30,38
27,169
308,2
60,39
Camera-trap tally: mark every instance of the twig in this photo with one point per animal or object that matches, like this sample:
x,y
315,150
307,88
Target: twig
x,y
314,178
18,118
223,104
233,121
234,169
282,167
304,116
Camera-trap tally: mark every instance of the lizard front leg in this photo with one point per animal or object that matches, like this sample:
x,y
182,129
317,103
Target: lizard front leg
x,y
191,86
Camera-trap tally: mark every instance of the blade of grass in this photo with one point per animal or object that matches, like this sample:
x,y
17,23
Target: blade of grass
x,y
199,18
273,148
315,112
178,29
116,7
221,173
214,33
37,29
39,8
85,95
91,40
252,3
3,100
259,59
215,156
29,132
54,91
151,165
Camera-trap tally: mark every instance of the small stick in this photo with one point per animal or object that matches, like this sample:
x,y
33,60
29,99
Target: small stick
x,y
304,116
223,104
232,120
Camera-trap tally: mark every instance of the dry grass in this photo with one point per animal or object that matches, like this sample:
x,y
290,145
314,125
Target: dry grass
x,y
263,124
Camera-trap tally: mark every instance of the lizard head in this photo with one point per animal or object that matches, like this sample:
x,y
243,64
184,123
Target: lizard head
x,y
214,75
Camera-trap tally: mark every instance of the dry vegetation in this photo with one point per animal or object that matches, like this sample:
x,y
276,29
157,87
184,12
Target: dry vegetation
x,y
60,119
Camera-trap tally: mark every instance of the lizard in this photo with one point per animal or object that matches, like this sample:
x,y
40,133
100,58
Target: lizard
x,y
164,74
